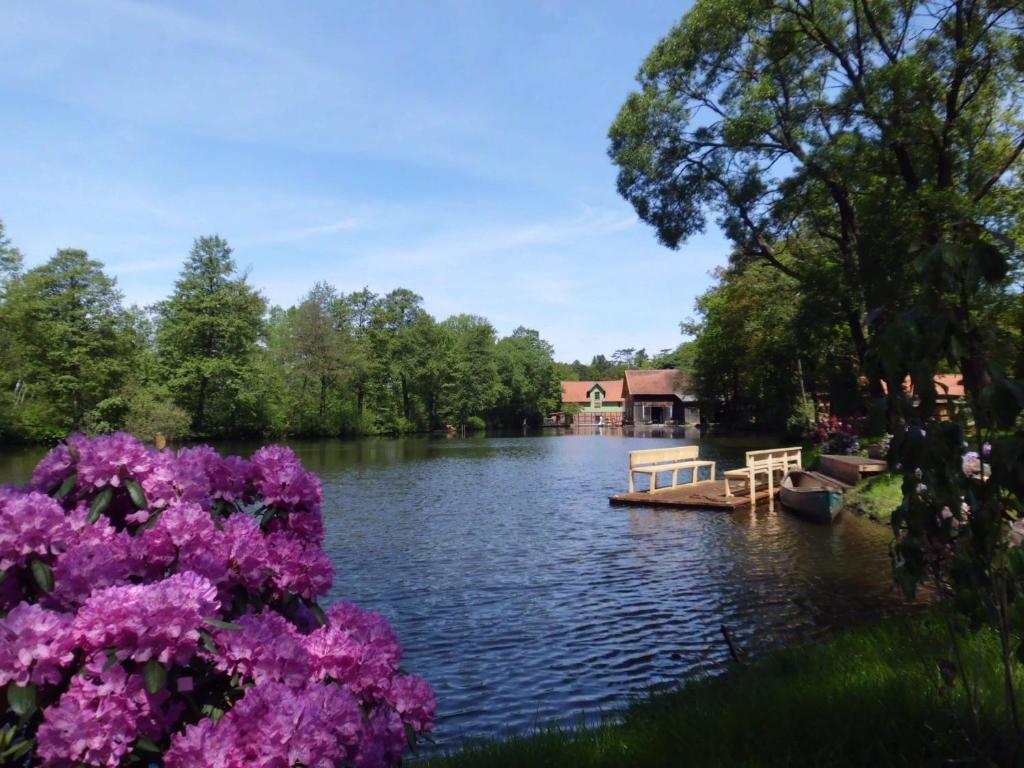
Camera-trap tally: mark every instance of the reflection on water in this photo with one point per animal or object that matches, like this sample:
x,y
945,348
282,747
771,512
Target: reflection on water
x,y
525,598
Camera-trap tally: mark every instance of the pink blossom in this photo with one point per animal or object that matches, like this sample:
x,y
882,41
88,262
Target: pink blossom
x,y
299,567
273,726
357,648
148,621
53,469
30,524
35,645
268,649
97,556
229,478
281,481
413,700
384,740
199,546
173,479
106,459
98,720
246,551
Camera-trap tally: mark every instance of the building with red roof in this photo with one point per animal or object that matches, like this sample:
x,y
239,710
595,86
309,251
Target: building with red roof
x,y
661,396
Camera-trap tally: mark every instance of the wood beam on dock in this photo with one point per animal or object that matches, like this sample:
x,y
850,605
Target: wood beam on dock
x,y
706,494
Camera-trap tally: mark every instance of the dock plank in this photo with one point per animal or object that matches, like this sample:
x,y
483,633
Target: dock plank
x,y
706,494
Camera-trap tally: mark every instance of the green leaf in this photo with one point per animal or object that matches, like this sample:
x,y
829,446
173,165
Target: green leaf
x,y
155,675
224,625
212,712
146,744
17,750
3,575
410,736
22,700
111,659
137,495
100,503
207,639
268,516
67,486
43,574
321,617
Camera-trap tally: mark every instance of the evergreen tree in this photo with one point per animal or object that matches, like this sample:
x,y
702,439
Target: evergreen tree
x,y
206,339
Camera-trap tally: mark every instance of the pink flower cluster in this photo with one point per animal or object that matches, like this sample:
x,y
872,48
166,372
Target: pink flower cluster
x,y
164,602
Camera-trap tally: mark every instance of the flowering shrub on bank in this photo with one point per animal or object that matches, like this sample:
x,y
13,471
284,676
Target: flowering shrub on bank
x,y
835,435
160,608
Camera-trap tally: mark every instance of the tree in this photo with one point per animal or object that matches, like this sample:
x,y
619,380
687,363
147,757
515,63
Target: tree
x,y
529,379
206,337
473,383
844,132
70,343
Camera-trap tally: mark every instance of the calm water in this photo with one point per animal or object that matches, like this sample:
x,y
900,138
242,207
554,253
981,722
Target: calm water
x,y
525,598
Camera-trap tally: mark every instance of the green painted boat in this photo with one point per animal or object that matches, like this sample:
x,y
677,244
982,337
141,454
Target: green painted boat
x,y
811,495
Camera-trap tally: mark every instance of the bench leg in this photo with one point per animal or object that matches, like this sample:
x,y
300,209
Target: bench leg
x,y
654,481
631,481
728,490
675,477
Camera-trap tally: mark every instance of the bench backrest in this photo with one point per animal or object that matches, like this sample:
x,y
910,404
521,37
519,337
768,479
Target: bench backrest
x,y
779,456
663,455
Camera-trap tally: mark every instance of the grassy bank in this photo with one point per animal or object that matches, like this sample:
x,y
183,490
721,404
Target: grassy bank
x,y
872,696
877,497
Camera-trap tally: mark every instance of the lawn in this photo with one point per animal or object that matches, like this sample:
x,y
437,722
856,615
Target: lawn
x,y
868,697
877,497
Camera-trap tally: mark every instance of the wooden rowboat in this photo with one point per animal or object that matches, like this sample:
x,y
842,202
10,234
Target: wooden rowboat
x,y
811,495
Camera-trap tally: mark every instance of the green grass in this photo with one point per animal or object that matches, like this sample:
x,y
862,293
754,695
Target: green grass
x,y
876,497
869,697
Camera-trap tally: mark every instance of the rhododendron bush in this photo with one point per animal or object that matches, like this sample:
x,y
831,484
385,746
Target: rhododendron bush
x,y
160,608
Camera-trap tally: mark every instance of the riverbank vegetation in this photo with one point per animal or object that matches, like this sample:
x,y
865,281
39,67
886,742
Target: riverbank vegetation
x,y
877,497
873,696
214,360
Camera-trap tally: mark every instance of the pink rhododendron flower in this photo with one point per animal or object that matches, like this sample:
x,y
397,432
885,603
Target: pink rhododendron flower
x,y
268,649
272,726
30,524
413,700
98,720
35,645
229,478
137,585
148,621
299,567
280,479
103,459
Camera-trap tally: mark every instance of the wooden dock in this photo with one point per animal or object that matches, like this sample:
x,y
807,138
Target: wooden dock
x,y
850,469
706,494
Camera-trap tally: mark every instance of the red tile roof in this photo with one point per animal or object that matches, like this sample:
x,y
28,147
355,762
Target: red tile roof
x,y
947,385
578,391
659,382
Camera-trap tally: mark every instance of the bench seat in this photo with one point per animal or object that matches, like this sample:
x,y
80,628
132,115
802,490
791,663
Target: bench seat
x,y
651,462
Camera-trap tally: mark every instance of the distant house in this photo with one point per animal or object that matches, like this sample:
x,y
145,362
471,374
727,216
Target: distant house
x,y
949,391
659,397
600,402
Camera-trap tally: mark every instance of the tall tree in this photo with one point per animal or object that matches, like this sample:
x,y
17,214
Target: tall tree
x,y
70,342
207,334
530,383
473,384
845,132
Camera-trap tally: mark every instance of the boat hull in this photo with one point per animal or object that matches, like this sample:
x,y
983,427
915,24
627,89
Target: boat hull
x,y
820,504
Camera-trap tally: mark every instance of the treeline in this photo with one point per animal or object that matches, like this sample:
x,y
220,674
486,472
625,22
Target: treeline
x,y
602,368
214,360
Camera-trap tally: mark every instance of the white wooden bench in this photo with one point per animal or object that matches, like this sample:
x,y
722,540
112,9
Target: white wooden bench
x,y
651,462
766,462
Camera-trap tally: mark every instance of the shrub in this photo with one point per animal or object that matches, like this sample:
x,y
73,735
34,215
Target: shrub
x,y
475,424
161,604
835,435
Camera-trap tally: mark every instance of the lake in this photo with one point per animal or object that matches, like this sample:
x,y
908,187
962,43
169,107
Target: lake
x,y
524,598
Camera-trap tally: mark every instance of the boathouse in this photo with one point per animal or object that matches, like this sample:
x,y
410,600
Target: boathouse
x,y
661,396
600,402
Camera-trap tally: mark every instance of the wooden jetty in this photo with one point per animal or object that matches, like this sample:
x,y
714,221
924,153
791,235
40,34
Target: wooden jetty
x,y
704,494
850,469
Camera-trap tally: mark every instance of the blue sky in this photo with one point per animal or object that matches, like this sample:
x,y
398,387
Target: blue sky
x,y
455,149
